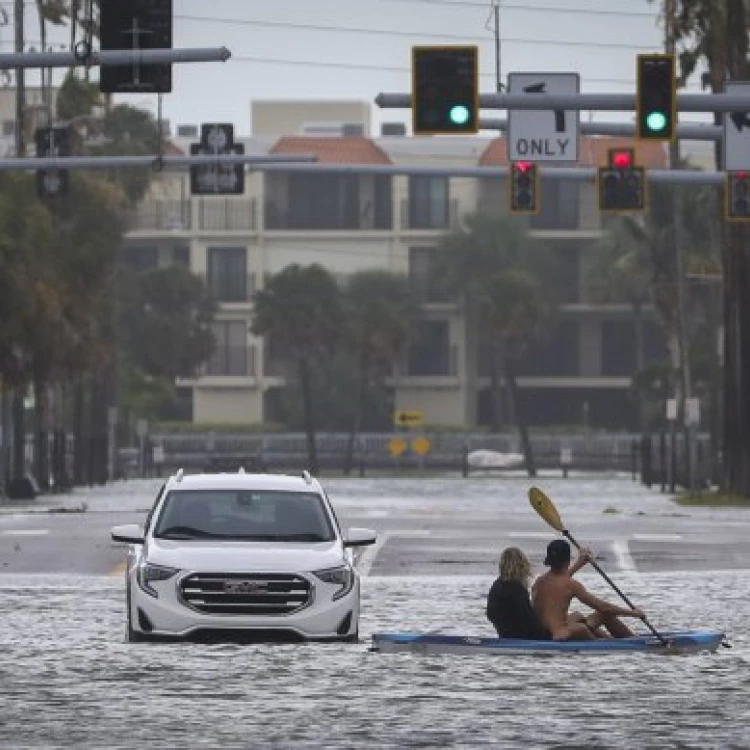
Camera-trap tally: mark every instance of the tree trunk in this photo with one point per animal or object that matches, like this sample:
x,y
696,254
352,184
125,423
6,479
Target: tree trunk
x,y
523,430
41,434
639,362
307,405
496,392
359,408
19,434
80,472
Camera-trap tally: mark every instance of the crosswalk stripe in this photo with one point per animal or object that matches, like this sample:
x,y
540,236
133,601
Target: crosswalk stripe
x,y
25,532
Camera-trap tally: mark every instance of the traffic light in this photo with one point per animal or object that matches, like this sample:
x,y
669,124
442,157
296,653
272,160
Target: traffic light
x,y
621,185
737,196
135,25
656,99
445,90
52,142
524,188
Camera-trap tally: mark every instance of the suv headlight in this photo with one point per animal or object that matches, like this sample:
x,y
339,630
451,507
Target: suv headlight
x,y
342,577
148,572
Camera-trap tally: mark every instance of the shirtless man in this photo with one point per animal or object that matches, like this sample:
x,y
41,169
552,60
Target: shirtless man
x,y
553,591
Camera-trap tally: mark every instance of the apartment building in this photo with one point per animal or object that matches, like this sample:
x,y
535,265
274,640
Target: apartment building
x,y
578,373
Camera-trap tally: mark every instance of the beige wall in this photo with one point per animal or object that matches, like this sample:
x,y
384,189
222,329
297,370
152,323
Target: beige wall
x,y
228,405
284,117
441,406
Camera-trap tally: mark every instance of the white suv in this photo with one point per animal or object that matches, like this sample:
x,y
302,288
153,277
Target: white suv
x,y
251,554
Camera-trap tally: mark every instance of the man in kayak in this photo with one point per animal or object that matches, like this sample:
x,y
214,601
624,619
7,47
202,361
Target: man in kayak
x,y
553,592
508,603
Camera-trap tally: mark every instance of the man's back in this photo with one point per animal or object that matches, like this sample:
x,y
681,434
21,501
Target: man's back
x,y
551,596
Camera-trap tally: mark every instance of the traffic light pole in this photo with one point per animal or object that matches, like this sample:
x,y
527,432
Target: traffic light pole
x,y
610,102
685,132
113,57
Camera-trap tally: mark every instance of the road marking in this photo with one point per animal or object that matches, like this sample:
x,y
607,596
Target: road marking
x,y
25,532
368,557
656,537
119,569
622,555
527,534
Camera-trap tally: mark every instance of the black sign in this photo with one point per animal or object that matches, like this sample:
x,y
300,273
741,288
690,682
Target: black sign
x,y
136,25
52,142
217,179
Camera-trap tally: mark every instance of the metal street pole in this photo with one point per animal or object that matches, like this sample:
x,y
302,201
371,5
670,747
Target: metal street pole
x,y
22,60
685,131
734,102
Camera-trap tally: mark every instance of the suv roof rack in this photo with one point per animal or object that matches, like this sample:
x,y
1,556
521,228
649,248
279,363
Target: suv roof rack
x,y
178,476
306,476
241,470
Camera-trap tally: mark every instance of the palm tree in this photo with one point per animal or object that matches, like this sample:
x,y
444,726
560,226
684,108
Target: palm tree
x,y
301,309
379,310
487,257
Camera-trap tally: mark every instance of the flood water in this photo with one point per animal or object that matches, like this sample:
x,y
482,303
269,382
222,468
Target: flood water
x,y
68,679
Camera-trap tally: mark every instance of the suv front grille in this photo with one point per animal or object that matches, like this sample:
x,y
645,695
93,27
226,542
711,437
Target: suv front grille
x,y
246,593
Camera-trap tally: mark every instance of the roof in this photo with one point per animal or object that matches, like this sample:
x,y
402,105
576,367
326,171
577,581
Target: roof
x,y
592,152
333,150
240,481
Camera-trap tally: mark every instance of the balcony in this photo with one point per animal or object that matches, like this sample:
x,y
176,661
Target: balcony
x,y
225,214
231,289
362,220
230,361
442,217
162,216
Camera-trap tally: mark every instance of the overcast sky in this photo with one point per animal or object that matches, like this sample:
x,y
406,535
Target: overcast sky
x,y
344,49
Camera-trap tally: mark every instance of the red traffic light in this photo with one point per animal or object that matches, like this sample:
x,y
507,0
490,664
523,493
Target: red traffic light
x,y
622,159
741,175
523,166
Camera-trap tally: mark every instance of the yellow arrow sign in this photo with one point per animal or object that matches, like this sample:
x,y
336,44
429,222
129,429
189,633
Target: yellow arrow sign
x,y
421,446
396,446
411,418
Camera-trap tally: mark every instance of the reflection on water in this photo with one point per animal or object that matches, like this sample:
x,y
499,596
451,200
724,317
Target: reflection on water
x,y
69,679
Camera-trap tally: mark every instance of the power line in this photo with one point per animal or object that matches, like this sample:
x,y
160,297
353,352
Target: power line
x,y
411,34
532,8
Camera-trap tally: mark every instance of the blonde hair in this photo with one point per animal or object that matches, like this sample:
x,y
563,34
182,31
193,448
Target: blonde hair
x,y
515,566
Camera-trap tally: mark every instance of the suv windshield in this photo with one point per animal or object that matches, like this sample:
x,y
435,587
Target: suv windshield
x,y
252,515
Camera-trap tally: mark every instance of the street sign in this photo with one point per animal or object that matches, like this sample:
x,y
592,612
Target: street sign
x,y
135,25
421,446
542,135
671,409
408,418
737,131
141,428
217,179
692,411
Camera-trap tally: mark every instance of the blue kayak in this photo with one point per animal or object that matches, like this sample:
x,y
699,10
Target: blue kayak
x,y
680,642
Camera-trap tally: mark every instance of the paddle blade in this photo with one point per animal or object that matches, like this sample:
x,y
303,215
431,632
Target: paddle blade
x,y
545,508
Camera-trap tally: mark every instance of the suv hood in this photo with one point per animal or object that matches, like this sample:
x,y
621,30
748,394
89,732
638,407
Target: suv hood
x,y
202,556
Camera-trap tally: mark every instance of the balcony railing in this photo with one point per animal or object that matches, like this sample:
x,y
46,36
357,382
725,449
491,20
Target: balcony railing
x,y
162,215
447,218
362,219
230,361
225,214
237,289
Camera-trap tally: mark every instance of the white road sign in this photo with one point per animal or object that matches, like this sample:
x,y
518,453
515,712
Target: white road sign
x,y
737,130
542,135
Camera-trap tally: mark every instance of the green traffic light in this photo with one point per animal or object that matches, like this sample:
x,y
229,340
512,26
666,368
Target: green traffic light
x,y
656,121
459,114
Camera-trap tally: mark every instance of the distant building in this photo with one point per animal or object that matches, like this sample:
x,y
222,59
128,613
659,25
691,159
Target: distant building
x,y
581,372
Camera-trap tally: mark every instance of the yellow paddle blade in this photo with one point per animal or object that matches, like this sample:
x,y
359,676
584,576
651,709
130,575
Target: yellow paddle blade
x,y
545,508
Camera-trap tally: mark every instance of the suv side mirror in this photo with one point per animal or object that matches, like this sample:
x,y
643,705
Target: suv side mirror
x,y
130,533
360,537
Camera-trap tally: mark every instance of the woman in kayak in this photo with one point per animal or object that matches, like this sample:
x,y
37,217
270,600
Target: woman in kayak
x,y
509,606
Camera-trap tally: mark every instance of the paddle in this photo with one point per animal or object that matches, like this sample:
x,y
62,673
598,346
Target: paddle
x,y
546,509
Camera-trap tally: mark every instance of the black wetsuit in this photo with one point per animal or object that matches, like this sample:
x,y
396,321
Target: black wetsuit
x,y
509,610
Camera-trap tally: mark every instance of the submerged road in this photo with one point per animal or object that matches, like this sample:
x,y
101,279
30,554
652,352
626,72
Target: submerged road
x,y
425,527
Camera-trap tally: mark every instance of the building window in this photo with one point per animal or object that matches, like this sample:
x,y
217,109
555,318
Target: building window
x,y
618,347
230,356
9,128
430,352
181,255
555,354
323,202
428,202
558,206
227,274
423,280
141,257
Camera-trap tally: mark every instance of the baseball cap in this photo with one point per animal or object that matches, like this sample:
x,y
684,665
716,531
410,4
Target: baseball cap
x,y
558,551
